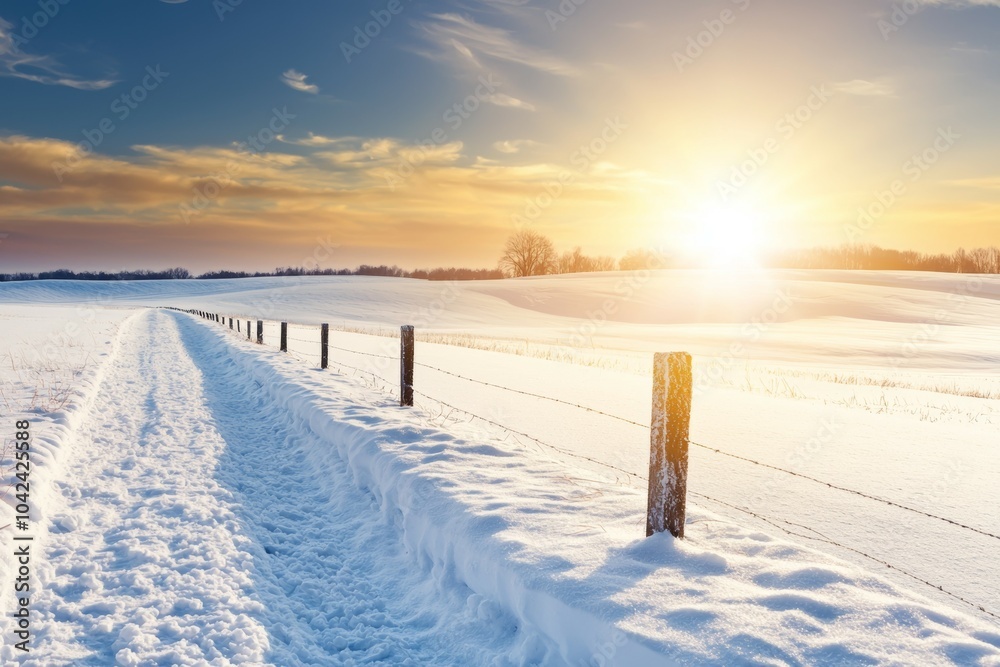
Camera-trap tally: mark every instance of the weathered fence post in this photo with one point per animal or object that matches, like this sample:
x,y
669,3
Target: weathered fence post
x,y
230,323
248,330
260,332
324,345
406,365
238,330
284,336
668,444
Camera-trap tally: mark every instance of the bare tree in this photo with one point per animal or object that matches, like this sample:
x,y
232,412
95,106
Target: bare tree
x,y
528,253
604,263
574,262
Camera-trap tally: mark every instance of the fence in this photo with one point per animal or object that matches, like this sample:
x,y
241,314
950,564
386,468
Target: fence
x,y
666,483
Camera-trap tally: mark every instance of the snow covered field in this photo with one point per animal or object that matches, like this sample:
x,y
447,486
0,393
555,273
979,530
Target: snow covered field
x,y
200,498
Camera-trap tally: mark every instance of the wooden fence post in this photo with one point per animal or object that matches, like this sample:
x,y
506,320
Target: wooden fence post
x,y
238,330
248,330
324,345
668,444
230,323
260,332
284,336
406,365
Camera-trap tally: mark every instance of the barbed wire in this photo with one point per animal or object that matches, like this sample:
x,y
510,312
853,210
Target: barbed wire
x,y
831,485
525,435
361,370
367,354
716,450
823,538
301,340
528,393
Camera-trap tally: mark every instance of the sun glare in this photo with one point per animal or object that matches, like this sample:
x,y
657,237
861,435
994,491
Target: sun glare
x,y
723,237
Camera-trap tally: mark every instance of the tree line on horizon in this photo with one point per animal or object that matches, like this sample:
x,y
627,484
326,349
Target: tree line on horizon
x,y
178,273
528,253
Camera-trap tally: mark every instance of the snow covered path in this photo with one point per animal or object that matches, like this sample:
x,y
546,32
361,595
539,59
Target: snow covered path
x,y
195,532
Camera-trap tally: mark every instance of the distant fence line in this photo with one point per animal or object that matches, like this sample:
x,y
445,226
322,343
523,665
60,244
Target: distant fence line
x,y
669,434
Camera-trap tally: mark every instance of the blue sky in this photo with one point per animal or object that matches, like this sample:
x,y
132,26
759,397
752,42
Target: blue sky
x,y
370,158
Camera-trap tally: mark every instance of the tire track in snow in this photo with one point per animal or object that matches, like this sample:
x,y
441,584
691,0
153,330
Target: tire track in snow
x,y
194,533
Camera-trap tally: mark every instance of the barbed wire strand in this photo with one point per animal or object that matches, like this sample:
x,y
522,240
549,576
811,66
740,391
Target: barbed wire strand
x,y
525,435
853,491
528,393
827,540
716,450
367,354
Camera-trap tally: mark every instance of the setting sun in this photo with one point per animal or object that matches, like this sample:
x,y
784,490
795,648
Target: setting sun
x,y
723,236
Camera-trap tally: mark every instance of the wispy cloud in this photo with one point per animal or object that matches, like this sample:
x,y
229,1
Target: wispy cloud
x,y
983,183
315,140
864,88
297,80
512,146
503,100
462,39
18,64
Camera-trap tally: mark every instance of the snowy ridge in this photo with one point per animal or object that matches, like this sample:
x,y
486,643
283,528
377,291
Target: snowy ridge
x,y
51,442
443,537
